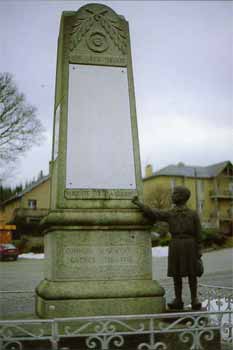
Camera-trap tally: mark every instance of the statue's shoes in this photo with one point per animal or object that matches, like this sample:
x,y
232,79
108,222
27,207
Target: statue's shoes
x,y
196,305
176,305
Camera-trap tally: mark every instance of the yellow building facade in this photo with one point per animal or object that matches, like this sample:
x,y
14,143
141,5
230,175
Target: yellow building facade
x,y
211,195
26,209
211,190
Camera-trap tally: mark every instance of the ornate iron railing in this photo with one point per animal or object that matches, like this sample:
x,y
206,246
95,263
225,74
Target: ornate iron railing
x,y
145,332
183,330
216,298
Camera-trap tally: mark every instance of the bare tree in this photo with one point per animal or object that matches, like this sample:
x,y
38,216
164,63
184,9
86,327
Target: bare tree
x,y
19,126
159,197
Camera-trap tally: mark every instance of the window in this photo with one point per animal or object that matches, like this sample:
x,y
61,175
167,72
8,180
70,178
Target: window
x,y
231,187
230,212
201,206
173,184
32,203
200,190
200,186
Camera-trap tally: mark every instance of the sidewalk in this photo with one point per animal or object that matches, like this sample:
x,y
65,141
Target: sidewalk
x,y
218,266
215,261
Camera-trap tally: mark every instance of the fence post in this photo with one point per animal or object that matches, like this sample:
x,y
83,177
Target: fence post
x,y
54,335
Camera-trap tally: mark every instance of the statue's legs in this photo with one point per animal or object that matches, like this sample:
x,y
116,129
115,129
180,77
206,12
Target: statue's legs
x,y
196,305
177,303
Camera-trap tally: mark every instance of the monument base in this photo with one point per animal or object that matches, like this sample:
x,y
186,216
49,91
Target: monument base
x,y
98,298
97,263
99,307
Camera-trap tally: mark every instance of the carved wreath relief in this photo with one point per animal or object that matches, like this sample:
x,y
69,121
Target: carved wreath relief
x,y
98,27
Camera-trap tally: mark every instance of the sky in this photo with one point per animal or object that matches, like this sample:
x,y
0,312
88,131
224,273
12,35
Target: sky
x,y
182,55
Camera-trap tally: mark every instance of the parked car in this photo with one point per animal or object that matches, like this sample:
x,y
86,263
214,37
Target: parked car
x,y
8,252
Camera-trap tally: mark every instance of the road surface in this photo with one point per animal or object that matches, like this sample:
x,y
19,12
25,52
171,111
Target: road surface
x,y
25,275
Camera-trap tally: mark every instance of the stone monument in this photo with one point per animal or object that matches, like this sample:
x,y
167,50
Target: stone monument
x,y
97,243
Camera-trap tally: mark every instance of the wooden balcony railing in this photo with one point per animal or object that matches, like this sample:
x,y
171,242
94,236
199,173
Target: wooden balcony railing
x,y
27,216
227,217
221,194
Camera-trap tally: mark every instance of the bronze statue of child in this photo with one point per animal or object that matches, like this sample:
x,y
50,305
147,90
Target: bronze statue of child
x,y
185,245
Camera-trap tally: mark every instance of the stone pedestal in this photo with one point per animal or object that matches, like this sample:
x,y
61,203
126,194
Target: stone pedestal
x,y
102,269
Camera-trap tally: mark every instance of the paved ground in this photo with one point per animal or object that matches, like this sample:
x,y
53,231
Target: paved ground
x,y
26,274
218,266
17,276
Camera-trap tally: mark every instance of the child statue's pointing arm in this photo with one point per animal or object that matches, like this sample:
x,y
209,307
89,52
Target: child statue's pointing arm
x,y
151,213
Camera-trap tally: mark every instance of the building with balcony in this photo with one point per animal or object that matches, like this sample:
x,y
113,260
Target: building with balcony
x,y
26,209
211,188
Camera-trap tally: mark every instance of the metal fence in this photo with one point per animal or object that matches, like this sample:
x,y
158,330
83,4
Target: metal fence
x,y
209,329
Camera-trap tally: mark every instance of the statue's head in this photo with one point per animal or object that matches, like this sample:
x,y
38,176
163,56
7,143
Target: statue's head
x,y
180,195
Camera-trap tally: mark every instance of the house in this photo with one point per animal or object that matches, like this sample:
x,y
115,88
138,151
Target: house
x,y
211,188
25,210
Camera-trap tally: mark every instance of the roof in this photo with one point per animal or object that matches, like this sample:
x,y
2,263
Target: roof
x,y
26,190
191,171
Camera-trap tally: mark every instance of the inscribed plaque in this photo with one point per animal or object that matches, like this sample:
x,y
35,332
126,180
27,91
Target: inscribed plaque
x,y
99,135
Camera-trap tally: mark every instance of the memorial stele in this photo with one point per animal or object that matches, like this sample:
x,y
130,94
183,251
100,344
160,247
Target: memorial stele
x,y
97,243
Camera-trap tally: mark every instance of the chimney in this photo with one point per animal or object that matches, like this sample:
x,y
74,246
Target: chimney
x,y
149,170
